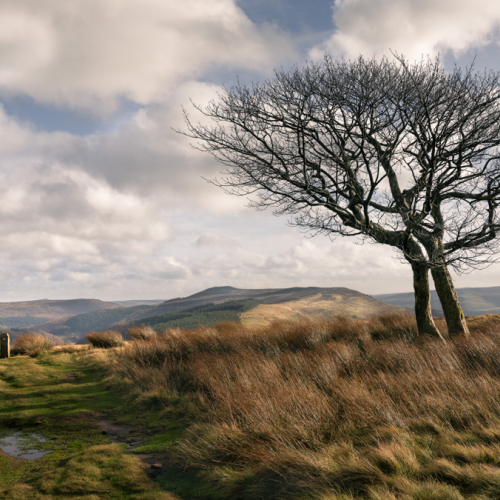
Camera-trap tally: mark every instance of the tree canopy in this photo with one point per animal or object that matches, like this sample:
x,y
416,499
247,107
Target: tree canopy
x,y
404,154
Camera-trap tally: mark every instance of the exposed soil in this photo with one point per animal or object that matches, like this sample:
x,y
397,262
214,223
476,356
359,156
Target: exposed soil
x,y
154,463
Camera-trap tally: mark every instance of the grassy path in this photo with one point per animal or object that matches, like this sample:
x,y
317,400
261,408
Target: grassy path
x,y
57,397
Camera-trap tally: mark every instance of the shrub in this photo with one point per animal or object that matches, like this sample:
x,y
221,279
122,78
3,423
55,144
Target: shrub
x,y
32,344
142,332
105,339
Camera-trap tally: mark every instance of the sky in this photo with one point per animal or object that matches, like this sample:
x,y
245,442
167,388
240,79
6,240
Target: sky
x,y
103,199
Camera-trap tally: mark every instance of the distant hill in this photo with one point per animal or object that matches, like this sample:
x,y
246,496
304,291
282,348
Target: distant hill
x,y
267,305
474,301
73,329
207,315
132,303
34,312
319,303
253,307
221,294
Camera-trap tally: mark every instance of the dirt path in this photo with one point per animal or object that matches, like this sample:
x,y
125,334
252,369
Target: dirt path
x,y
59,399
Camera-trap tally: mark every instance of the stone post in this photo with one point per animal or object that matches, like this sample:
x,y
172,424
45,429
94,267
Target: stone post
x,y
4,345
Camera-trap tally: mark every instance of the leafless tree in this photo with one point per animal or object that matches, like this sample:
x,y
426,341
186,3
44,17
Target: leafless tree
x,y
406,155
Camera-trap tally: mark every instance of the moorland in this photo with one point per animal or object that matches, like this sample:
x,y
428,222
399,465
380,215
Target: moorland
x,y
251,306
328,409
71,320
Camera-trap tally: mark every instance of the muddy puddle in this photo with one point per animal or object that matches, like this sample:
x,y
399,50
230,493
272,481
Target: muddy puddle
x,y
23,446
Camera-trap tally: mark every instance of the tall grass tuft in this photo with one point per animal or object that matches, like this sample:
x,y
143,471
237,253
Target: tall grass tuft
x,y
105,340
341,408
142,332
32,344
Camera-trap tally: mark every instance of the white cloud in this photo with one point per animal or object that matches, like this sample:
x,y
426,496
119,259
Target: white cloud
x,y
216,240
126,213
87,54
411,27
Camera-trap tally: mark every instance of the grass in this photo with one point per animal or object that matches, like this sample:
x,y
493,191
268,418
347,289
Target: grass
x,y
58,397
327,410
331,409
106,339
32,344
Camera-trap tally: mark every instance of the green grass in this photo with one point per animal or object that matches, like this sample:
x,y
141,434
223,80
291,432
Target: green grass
x,y
58,397
324,410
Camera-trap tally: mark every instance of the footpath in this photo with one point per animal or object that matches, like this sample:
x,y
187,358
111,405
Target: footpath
x,y
59,437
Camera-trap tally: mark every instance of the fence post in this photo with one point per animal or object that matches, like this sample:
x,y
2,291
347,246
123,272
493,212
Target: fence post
x,y
4,345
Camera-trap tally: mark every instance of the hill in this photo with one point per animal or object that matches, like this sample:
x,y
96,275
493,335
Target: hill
x,y
207,315
325,304
254,307
73,329
131,303
474,301
35,312
329,300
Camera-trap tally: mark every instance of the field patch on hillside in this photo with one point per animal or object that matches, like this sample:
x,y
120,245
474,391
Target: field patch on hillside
x,y
320,306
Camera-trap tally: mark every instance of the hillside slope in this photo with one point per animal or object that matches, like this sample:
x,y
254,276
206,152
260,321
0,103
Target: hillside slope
x,y
221,294
474,301
254,307
73,329
275,303
34,312
322,305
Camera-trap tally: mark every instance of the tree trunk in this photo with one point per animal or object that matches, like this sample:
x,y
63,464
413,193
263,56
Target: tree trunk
x,y
423,311
453,313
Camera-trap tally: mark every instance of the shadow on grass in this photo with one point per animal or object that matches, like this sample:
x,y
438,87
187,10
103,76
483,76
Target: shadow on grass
x,y
57,397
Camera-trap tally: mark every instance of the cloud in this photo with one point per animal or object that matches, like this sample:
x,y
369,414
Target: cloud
x,y
146,156
294,261
216,240
89,54
411,27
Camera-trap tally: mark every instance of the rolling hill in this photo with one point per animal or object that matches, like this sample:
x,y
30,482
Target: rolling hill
x,y
474,301
365,305
256,307
325,303
74,328
34,312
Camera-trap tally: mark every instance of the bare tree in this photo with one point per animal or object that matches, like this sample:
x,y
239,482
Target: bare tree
x,y
403,154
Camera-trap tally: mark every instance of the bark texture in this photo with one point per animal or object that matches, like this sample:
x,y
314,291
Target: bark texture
x,y
453,313
423,311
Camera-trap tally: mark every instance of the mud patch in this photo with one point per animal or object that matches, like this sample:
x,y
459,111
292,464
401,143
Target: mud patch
x,y
153,463
121,434
23,446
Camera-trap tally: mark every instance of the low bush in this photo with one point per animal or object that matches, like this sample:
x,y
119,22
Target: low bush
x,y
32,344
106,339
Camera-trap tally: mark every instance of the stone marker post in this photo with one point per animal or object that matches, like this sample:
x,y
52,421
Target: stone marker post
x,y
4,345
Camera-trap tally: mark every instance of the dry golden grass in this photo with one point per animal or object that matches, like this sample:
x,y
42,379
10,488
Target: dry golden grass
x,y
32,344
105,340
142,332
331,409
71,348
317,307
